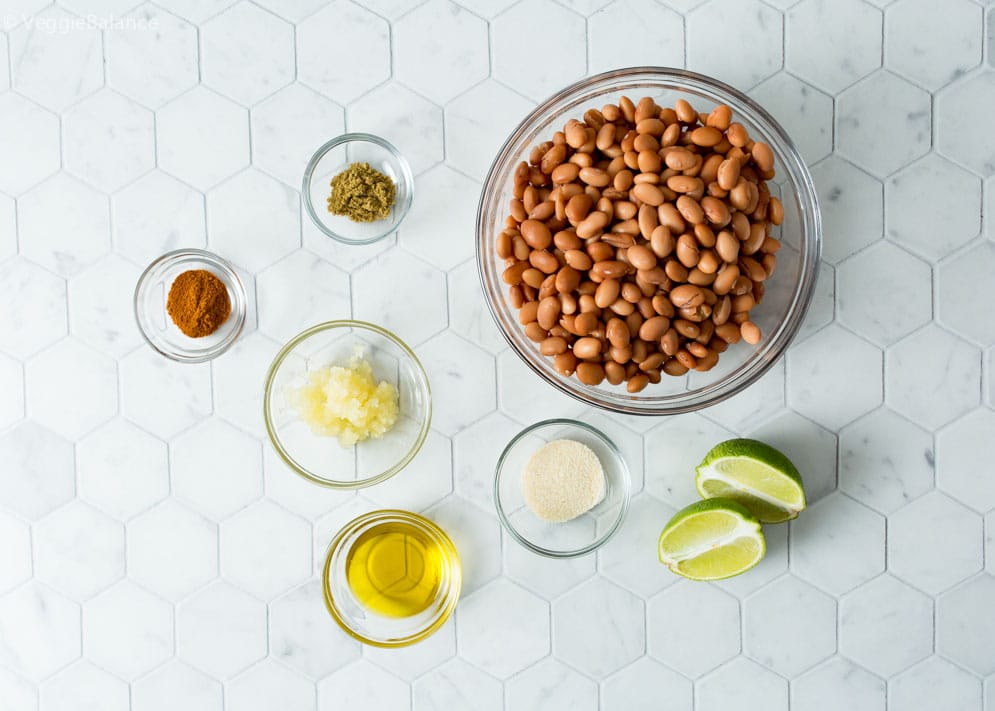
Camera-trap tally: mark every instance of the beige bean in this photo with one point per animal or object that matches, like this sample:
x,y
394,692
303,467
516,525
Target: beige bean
x,y
670,218
670,341
544,261
516,297
548,312
631,292
763,156
623,307
722,311
709,262
536,234
687,250
652,329
685,184
775,210
533,277
675,270
594,177
728,175
648,194
592,225
641,257
679,159
674,367
649,161
607,292
687,296
727,246
690,209
637,383
614,373
706,136
617,332
751,332
625,210
716,211
585,323
555,345
686,328
587,348
567,279
565,173
504,244
661,241
753,243
720,117
685,113
652,126
590,373
752,268
737,135
606,137
686,359
513,274
609,269
600,251
578,260
565,363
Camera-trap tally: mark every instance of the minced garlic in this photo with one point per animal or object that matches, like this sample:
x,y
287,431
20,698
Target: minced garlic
x,y
346,402
563,480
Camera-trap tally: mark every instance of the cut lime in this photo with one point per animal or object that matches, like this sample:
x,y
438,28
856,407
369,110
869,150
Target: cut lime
x,y
754,474
712,540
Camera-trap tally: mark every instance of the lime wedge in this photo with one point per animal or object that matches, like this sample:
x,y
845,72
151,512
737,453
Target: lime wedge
x,y
712,540
754,474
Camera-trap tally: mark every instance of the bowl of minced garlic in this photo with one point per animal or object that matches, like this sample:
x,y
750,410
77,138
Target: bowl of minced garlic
x,y
561,488
347,404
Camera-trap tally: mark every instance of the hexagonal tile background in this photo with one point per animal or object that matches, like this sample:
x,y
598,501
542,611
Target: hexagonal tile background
x,y
156,554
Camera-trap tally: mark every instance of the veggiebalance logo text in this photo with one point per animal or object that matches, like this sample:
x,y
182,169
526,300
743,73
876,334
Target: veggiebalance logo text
x,y
63,25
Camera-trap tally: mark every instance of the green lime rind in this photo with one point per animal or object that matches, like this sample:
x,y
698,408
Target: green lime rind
x,y
712,539
754,474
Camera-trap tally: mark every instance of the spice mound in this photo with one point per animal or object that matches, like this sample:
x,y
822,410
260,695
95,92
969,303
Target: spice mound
x,y
563,480
198,303
346,402
362,193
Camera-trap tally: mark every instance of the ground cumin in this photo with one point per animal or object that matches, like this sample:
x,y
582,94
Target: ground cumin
x,y
362,193
198,303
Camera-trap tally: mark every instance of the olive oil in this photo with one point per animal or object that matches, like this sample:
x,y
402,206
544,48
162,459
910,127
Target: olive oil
x,y
394,569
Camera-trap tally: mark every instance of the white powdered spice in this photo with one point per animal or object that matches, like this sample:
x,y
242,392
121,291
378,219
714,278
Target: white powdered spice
x,y
562,480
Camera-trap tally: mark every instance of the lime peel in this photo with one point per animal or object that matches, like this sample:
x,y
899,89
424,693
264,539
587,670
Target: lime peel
x,y
711,540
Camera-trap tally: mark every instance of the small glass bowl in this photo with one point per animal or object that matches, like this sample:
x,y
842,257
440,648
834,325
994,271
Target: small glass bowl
x,y
334,157
369,627
576,537
322,460
158,328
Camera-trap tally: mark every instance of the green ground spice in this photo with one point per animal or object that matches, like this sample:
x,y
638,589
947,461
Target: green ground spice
x,y
362,193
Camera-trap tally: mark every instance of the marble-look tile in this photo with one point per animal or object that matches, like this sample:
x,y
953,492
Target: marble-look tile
x,y
818,368
885,460
363,684
884,293
269,685
468,314
838,683
361,41
477,536
932,377
425,481
454,685
29,139
128,630
283,312
156,214
161,396
805,112
883,104
221,630
326,526
462,375
990,541
78,550
56,66
933,59
673,449
172,551
773,565
100,310
473,137
837,556
551,686
598,628
690,611
657,38
216,468
852,207
265,550
958,109
176,685
394,9
410,122
789,626
5,52
344,256
934,563
412,306
195,10
723,23
547,577
742,684
441,224
934,683
628,443
965,625
537,23
84,687
630,558
39,631
288,127
70,238
304,636
8,228
926,225
153,67
247,360
12,387
821,310
295,493
201,152
959,307
293,10
246,53
514,378
109,140
641,685
17,693
487,9
16,555
37,476
409,663
832,44
961,466
885,625
437,50
495,640
755,404
122,470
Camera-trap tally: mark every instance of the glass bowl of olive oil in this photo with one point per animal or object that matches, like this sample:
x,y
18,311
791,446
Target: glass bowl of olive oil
x,y
391,578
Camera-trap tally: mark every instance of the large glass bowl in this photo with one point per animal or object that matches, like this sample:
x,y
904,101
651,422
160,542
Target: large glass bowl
x,y
789,290
320,459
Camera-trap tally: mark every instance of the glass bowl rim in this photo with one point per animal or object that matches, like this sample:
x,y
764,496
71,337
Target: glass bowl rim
x,y
753,368
626,488
239,305
423,383
354,137
452,594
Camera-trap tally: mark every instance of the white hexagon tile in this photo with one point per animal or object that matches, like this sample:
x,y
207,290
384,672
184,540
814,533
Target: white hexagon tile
x,y
157,554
